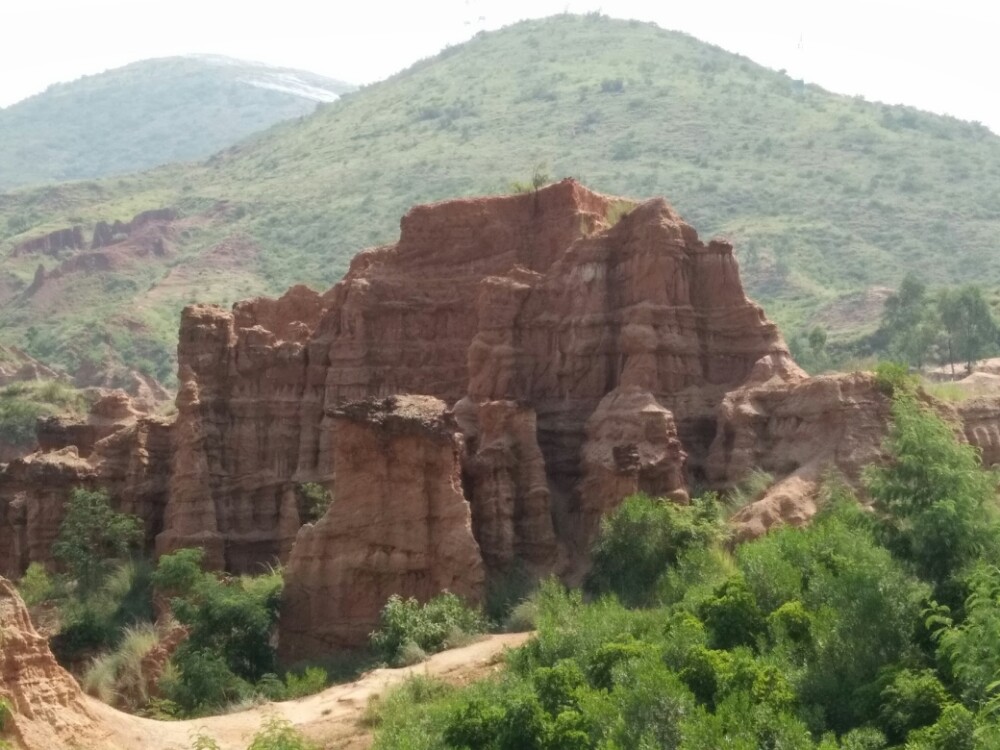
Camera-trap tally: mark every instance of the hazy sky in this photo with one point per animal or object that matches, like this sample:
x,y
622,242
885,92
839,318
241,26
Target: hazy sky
x,y
937,56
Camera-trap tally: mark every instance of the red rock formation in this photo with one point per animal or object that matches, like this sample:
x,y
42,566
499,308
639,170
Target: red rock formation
x,y
132,463
48,708
399,524
583,361
70,238
632,446
796,430
238,433
512,508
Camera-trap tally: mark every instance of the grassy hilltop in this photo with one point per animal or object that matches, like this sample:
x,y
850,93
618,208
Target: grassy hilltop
x,y
149,113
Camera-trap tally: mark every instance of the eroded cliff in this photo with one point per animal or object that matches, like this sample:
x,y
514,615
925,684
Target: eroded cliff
x,y
476,397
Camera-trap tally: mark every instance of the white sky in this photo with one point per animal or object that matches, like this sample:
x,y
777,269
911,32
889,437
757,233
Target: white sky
x,y
936,56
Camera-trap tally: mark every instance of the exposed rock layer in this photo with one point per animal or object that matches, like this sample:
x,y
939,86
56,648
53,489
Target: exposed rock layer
x,y
399,524
565,363
48,709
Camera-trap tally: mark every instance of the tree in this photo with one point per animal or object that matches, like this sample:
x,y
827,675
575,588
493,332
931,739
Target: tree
x,y
92,537
968,323
817,341
910,322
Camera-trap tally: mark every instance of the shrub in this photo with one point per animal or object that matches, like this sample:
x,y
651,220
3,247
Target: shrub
x,y
201,681
280,734
732,616
316,500
954,730
229,645
442,622
98,621
641,538
179,572
6,714
912,700
312,680
36,585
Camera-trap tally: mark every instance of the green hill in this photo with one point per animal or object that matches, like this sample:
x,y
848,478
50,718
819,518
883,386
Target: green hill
x,y
149,113
825,196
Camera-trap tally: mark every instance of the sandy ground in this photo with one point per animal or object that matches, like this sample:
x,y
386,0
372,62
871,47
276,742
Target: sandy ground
x,y
331,718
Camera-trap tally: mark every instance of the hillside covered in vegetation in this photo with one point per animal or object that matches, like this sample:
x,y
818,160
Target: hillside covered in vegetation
x,y
149,113
828,199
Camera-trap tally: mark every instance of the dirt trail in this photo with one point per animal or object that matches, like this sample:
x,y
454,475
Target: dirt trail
x,y
331,718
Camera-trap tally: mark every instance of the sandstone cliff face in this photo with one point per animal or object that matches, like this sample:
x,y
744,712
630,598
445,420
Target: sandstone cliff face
x,y
796,430
399,524
126,453
564,363
49,710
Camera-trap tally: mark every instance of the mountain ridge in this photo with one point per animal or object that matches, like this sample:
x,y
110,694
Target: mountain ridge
x,y
148,113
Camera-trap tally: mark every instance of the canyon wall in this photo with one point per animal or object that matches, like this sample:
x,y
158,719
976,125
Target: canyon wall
x,y
475,397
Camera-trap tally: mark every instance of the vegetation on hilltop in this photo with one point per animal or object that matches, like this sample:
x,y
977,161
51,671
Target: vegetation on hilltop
x,y
23,404
148,113
823,195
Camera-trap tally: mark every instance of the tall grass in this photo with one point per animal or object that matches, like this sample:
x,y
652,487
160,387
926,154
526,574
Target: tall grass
x,y
117,677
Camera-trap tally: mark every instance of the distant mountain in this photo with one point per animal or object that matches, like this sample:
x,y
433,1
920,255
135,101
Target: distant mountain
x,y
149,113
828,199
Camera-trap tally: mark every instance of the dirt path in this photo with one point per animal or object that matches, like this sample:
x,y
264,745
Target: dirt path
x,y
331,718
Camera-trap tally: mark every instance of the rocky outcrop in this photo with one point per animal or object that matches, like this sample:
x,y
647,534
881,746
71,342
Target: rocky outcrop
x,y
567,357
48,708
589,361
512,508
399,524
632,446
70,238
238,443
130,458
106,233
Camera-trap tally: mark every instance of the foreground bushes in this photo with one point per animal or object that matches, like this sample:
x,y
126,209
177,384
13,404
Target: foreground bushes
x,y
408,630
863,631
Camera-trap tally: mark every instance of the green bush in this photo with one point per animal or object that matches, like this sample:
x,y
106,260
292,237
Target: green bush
x,y
116,677
911,701
201,681
231,623
441,623
732,616
642,538
98,620
36,585
279,734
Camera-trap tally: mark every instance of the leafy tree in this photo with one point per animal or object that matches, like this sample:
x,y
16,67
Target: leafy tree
x,y
817,342
936,504
912,700
642,537
910,322
92,537
968,322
